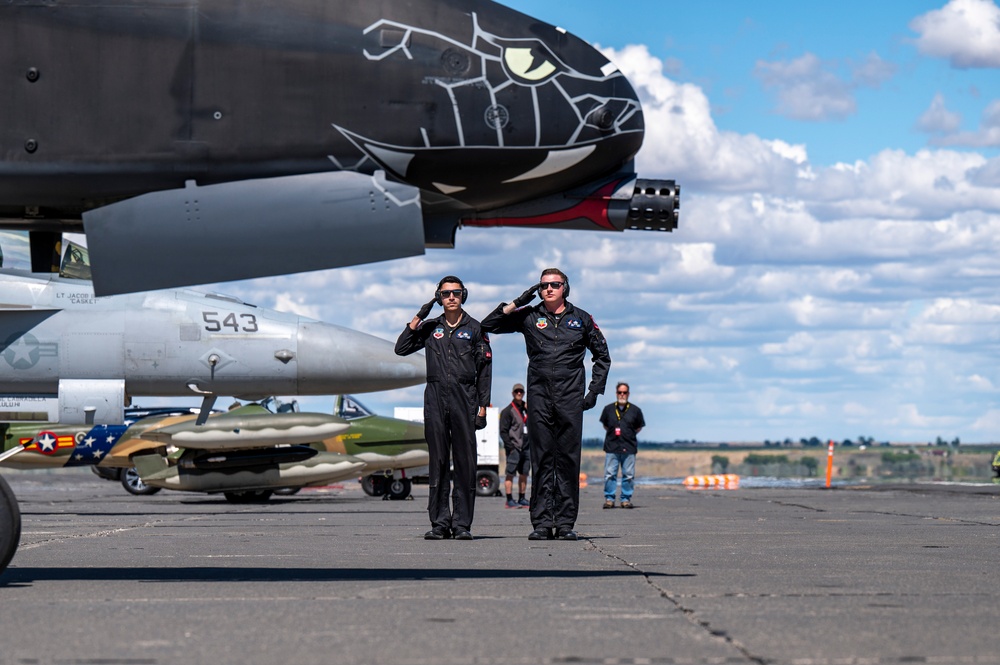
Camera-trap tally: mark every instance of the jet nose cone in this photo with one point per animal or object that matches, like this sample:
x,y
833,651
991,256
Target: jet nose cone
x,y
506,108
333,360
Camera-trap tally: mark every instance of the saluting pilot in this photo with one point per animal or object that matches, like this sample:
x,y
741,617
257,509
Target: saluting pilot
x,y
557,336
459,374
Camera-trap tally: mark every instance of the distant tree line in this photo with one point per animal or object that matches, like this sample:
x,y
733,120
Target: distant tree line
x,y
779,465
811,442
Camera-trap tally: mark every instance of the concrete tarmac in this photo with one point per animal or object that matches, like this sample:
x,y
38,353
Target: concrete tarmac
x,y
905,574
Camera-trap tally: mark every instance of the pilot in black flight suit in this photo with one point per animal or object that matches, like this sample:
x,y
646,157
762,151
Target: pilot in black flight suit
x,y
557,336
459,374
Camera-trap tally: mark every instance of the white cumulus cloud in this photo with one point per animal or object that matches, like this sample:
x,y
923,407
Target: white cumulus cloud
x,y
965,32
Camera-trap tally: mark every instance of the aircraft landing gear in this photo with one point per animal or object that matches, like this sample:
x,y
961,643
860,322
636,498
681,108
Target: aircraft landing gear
x,y
397,489
372,485
133,483
10,524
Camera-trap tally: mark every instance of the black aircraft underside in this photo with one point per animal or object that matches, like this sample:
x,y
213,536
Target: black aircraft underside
x,y
308,132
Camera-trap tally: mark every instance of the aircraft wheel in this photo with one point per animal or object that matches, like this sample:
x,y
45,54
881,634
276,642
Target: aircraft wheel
x,y
133,483
248,496
287,491
399,488
487,482
373,485
10,524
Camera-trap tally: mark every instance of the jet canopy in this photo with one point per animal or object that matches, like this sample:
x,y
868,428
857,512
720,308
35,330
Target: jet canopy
x,y
349,408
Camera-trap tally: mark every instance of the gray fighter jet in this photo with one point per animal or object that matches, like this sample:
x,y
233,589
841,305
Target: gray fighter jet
x,y
186,137
71,357
68,356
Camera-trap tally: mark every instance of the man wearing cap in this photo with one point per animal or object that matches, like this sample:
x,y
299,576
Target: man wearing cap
x,y
459,373
622,422
514,434
557,336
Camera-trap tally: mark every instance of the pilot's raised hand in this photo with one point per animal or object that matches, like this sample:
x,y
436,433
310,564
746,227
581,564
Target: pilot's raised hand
x,y
521,300
526,297
422,314
426,309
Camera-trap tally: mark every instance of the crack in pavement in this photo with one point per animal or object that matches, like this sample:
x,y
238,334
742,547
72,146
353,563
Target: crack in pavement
x,y
688,613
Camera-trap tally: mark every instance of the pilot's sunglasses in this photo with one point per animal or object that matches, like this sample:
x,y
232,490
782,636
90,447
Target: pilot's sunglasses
x,y
550,285
445,293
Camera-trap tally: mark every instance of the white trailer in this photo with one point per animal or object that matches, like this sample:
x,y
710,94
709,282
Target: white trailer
x,y
487,448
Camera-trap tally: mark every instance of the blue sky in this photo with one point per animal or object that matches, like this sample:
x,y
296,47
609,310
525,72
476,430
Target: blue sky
x,y
720,45
836,267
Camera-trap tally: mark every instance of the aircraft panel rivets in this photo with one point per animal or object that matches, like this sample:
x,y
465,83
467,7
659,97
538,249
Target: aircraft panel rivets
x,y
31,145
33,74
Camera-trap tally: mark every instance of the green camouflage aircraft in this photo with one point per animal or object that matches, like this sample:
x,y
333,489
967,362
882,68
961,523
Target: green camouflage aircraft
x,y
247,453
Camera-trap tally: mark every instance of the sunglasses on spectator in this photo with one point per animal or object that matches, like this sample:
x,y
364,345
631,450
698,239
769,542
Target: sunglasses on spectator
x,y
445,293
518,392
550,285
623,392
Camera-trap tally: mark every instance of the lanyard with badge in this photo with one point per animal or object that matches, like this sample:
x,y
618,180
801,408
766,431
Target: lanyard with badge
x,y
524,417
618,430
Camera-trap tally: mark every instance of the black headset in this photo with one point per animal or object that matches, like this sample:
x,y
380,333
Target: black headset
x,y
453,280
565,281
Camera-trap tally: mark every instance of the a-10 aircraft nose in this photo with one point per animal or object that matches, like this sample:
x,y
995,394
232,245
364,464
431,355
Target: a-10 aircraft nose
x,y
500,107
328,352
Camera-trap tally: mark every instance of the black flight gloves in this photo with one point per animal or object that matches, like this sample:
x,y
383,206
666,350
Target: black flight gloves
x,y
525,297
590,401
426,309
480,421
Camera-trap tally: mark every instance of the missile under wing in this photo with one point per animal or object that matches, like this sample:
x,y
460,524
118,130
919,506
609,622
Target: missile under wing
x,y
187,136
364,443
69,356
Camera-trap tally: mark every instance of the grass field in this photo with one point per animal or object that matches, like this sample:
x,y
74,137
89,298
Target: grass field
x,y
970,464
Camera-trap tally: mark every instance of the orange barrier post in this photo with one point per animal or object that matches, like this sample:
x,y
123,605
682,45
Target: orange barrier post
x,y
829,463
